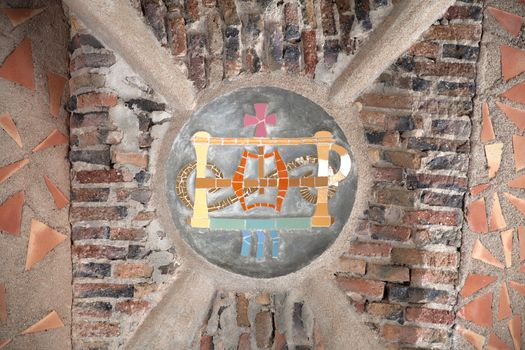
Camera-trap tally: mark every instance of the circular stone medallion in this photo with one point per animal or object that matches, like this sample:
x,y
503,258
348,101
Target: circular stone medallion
x,y
261,181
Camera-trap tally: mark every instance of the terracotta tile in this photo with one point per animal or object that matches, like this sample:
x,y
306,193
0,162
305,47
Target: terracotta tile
x,y
483,254
473,338
477,216
493,153
521,238
11,214
4,342
42,240
54,139
18,16
51,321
474,191
515,331
509,21
518,287
18,66
516,93
475,282
517,116
7,171
521,269
504,310
487,131
506,238
518,203
512,62
3,305
478,311
518,182
7,123
497,220
55,88
495,343
518,143
60,199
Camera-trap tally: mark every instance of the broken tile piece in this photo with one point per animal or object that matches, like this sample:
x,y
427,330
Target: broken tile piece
x,y
55,87
8,171
504,310
521,269
495,343
60,199
473,338
478,311
477,216
3,304
55,138
518,287
515,331
516,93
18,16
474,191
518,203
497,220
51,321
518,182
493,153
7,123
42,240
475,282
518,143
483,254
18,66
506,238
487,130
509,21
517,116
512,62
11,214
521,238
4,343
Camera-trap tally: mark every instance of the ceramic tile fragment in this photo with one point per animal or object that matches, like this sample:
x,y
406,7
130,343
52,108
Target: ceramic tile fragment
x,y
7,171
493,153
55,87
18,16
483,254
9,126
487,130
60,199
11,214
477,216
51,321
518,203
246,243
18,66
3,305
42,240
512,62
475,282
521,238
495,343
509,21
516,93
517,116
478,311
504,310
518,143
474,191
518,182
473,338
497,220
4,343
506,238
515,331
518,287
55,138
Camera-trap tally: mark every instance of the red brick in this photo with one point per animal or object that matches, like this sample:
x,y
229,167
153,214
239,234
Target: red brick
x,y
132,270
445,69
140,160
420,277
413,335
102,290
145,216
454,32
96,309
99,252
385,310
416,257
403,159
97,213
309,51
96,329
263,329
132,306
432,217
127,234
388,101
89,194
350,265
390,233
244,342
79,233
96,100
394,196
391,175
99,176
176,35
388,273
374,290
206,342
242,310
379,250
425,315
327,17
426,49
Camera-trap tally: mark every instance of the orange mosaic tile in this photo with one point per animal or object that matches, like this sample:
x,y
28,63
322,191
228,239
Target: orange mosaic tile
x,y
517,116
506,238
518,182
7,171
51,321
518,143
477,216
55,138
3,304
495,343
475,282
11,214
516,93
19,16
42,240
512,62
493,153
18,66
518,203
60,199
4,343
483,254
504,310
510,22
521,238
497,220
515,331
55,88
487,130
478,311
7,123
473,338
474,191
518,287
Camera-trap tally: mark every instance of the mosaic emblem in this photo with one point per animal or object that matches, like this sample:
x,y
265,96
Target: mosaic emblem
x,y
261,181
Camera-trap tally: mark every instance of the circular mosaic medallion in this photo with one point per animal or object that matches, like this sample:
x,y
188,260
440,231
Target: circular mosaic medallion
x,y
261,181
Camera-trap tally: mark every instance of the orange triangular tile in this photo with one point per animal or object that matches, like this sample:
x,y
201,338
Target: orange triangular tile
x,y
51,321
493,153
18,16
517,202
54,139
515,331
506,238
18,66
521,238
11,214
7,123
487,131
478,311
512,62
475,282
518,287
477,216
517,116
518,143
483,254
3,304
497,220
4,343
511,22
42,240
55,87
8,171
474,191
495,343
516,93
504,310
518,182
521,269
473,338
60,199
